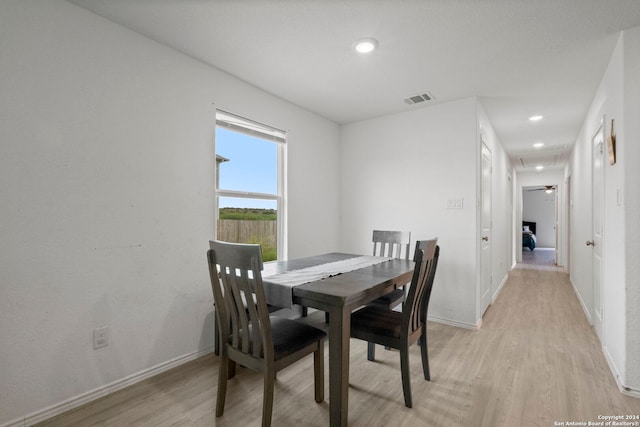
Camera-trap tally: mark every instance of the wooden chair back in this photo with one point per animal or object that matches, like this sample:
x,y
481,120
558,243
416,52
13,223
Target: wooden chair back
x,y
241,308
414,312
247,335
393,244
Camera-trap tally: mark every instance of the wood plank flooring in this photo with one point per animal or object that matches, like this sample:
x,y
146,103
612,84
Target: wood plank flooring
x,y
539,256
534,362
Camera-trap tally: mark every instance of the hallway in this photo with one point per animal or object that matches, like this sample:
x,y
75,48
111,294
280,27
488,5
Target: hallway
x,y
540,259
547,365
535,361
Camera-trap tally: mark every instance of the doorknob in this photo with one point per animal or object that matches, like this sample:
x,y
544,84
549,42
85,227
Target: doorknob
x,y
485,238
590,243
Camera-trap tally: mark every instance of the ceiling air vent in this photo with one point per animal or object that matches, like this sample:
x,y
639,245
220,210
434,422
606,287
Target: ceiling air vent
x,y
542,160
416,99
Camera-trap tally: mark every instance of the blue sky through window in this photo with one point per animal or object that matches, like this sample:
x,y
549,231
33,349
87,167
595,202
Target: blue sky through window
x,y
252,166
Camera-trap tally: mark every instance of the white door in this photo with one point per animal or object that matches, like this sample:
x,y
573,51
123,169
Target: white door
x,y
556,223
485,245
598,213
569,207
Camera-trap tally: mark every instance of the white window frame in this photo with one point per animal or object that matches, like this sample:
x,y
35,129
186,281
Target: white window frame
x,y
250,127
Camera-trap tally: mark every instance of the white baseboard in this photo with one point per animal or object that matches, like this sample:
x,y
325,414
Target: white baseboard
x,y
500,286
632,392
617,377
102,391
454,322
629,391
581,301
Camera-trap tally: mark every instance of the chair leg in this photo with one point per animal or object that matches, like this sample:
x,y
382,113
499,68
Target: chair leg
x,y
223,374
406,380
371,351
216,338
425,357
305,311
318,372
232,369
267,399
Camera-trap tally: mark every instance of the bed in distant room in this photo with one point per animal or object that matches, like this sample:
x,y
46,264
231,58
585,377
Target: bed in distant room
x,y
529,235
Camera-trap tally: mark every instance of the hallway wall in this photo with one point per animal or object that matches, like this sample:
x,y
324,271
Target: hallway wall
x,y
618,98
630,149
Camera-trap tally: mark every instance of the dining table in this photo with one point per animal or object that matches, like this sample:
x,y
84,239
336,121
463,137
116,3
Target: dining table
x,y
351,282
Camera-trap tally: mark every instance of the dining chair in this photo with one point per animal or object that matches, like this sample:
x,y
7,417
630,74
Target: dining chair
x,y
249,336
392,244
399,330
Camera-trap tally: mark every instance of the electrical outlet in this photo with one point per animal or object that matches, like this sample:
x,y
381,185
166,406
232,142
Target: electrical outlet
x,y
100,337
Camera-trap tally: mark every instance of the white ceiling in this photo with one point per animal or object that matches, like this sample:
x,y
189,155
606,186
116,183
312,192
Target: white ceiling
x,y
520,57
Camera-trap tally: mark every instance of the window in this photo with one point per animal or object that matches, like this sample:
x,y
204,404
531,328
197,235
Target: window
x,y
249,184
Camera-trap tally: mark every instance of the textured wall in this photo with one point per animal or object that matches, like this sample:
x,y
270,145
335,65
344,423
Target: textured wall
x,y
107,181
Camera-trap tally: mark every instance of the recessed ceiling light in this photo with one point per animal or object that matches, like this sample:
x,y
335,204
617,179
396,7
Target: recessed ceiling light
x,y
538,145
365,45
535,118
539,167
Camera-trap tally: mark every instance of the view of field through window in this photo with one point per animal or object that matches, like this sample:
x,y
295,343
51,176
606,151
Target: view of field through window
x,y
247,190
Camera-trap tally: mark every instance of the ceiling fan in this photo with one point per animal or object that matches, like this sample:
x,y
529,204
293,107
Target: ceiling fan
x,y
546,188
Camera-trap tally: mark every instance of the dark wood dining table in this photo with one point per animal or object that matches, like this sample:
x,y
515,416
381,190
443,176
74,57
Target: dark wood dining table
x,y
339,295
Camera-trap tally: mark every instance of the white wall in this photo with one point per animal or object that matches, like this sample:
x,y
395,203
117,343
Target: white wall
x,y
399,171
613,276
106,181
542,178
629,147
540,207
620,289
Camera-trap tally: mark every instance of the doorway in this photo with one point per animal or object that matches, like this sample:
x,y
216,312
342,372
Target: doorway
x,y
539,225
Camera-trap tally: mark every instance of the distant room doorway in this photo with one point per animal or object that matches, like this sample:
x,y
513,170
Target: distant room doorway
x,y
539,225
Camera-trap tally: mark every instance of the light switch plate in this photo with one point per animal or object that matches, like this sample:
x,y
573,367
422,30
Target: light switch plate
x,y
456,203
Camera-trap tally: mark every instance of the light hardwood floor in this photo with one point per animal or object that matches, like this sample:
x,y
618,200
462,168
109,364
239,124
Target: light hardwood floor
x,y
534,362
540,256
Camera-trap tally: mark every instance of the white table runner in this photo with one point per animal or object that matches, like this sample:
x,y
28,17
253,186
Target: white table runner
x,y
279,287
